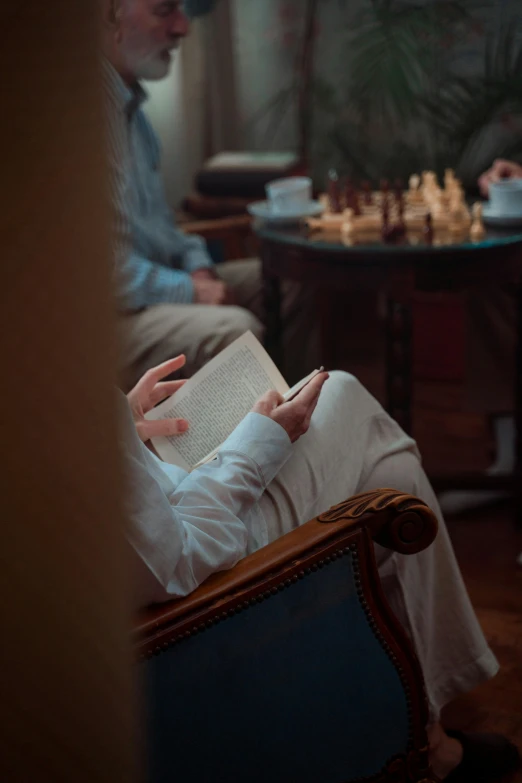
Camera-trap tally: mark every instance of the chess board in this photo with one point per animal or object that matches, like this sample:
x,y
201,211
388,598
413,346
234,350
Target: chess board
x,y
426,208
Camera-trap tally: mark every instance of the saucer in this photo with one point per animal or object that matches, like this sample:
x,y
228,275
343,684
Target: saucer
x,y
495,218
264,211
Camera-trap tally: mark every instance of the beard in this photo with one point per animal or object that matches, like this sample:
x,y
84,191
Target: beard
x,y
149,67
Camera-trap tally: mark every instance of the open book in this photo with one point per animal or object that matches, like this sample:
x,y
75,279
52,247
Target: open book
x,y
217,398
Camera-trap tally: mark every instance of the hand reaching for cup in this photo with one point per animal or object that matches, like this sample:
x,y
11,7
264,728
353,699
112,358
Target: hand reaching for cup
x,y
148,392
293,416
501,169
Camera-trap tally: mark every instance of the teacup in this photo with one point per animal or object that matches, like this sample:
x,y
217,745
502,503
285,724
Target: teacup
x,y
505,197
289,194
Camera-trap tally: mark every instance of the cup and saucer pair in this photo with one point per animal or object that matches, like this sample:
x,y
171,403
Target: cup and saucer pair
x,y
504,207
289,201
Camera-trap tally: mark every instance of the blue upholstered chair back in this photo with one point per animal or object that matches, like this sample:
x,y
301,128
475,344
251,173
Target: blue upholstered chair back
x,y
297,687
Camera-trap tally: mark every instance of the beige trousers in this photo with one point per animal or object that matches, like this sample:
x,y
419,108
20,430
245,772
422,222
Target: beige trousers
x,y
491,347
158,333
353,446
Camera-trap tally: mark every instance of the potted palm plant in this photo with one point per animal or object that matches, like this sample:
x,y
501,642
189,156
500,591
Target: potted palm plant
x,y
422,83
401,99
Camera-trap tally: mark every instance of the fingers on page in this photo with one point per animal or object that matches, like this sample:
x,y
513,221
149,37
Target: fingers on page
x,y
165,389
165,428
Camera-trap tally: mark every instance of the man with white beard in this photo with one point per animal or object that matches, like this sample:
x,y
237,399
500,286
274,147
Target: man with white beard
x,y
171,297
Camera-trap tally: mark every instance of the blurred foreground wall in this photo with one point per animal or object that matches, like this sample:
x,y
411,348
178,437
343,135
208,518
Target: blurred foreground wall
x,y
65,677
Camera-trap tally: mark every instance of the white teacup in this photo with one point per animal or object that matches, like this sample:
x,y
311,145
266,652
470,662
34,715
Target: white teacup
x,y
289,194
505,197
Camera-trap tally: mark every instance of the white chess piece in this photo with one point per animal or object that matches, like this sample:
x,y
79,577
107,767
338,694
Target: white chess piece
x,y
414,182
437,207
433,197
477,229
415,194
429,180
457,216
324,201
347,227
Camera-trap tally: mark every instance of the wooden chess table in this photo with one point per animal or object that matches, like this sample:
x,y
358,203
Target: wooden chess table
x,y
399,269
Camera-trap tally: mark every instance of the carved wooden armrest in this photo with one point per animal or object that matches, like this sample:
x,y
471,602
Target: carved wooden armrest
x,y
210,229
393,519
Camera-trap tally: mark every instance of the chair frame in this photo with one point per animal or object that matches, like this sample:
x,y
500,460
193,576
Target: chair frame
x,y
393,519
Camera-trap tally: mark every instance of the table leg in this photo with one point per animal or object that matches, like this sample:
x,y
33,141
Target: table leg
x,y
399,361
517,477
328,331
273,320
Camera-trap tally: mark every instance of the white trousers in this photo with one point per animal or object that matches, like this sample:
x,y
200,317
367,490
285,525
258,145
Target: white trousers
x,y
353,446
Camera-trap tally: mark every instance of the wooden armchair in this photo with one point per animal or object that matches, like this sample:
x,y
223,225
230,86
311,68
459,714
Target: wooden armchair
x,y
228,239
291,666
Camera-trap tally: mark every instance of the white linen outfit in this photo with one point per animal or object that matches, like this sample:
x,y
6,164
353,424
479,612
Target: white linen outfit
x,y
187,526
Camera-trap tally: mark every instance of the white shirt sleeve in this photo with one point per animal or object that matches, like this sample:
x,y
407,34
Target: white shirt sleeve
x,y
186,526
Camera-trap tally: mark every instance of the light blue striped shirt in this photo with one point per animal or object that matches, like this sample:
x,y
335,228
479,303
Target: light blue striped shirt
x,y
154,258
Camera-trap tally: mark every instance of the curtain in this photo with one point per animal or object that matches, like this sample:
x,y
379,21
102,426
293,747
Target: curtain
x,y
194,110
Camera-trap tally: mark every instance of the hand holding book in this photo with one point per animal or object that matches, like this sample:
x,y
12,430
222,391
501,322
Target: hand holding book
x,y
292,410
294,414
218,397
149,392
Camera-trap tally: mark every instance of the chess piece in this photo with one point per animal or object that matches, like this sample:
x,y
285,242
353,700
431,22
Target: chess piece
x,y
385,225
347,193
334,194
429,180
324,201
398,193
367,190
437,204
351,199
392,231
459,221
388,231
414,182
400,226
477,230
427,231
347,227
414,193
457,191
449,181
385,187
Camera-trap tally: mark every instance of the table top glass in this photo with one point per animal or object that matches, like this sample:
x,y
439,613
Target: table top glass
x,y
333,240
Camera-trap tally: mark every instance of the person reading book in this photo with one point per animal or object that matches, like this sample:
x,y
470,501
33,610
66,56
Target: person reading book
x,y
284,463
171,298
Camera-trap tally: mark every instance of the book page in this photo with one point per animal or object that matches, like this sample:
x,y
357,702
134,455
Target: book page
x,y
215,400
287,396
